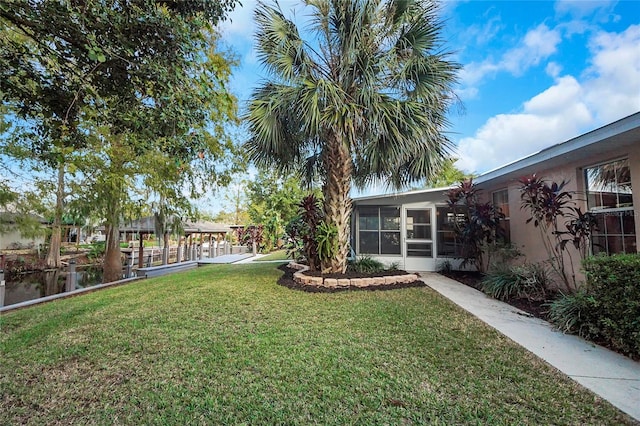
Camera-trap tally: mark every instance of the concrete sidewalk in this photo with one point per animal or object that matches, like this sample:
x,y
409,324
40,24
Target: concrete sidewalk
x,y
613,377
226,258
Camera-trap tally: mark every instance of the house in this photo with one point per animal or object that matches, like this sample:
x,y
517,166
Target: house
x,y
413,228
19,231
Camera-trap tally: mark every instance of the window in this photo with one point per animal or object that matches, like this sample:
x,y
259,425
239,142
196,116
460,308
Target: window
x,y
501,202
419,224
379,230
447,243
610,198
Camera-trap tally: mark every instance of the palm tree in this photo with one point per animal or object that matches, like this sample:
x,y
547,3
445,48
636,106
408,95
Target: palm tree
x,y
364,100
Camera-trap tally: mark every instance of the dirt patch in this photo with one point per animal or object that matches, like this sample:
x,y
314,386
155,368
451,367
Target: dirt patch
x,y
287,280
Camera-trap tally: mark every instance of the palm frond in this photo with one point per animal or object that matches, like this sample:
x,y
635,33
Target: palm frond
x,y
279,45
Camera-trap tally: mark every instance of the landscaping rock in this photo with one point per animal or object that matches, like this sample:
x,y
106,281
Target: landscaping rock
x,y
344,282
306,280
331,282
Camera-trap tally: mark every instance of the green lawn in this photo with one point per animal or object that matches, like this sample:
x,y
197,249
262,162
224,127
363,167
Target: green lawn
x,y
274,255
224,344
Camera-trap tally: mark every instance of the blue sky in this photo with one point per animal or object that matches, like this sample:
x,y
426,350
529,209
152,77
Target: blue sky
x,y
535,73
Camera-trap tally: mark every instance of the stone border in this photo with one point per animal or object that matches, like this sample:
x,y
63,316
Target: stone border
x,y
332,283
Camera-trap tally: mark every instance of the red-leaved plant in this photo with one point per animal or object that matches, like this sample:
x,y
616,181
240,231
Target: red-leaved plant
x,y
548,204
476,224
301,232
251,235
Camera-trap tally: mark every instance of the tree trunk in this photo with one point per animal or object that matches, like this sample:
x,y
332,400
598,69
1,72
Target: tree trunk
x,y
53,256
337,202
112,255
115,193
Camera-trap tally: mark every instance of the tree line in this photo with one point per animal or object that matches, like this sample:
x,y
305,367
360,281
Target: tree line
x,y
108,102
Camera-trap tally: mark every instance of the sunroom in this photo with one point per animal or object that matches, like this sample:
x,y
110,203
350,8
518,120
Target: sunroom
x,y
412,229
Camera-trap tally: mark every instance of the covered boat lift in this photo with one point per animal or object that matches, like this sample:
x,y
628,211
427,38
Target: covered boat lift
x,y
196,238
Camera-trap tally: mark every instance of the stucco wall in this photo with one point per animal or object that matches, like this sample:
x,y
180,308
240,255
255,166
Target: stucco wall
x,y
525,236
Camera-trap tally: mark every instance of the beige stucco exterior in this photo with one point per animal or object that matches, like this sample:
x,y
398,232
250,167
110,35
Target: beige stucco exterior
x,y
526,237
569,167
573,174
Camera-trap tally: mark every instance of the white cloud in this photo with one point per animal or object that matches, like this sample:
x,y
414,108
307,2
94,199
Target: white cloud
x,y
239,22
556,98
613,80
553,69
467,93
474,72
550,117
584,15
607,91
538,44
481,34
581,9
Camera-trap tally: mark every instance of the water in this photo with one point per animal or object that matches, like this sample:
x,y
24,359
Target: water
x,y
33,285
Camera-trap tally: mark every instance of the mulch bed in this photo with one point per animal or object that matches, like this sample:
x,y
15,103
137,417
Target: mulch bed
x,y
537,308
287,280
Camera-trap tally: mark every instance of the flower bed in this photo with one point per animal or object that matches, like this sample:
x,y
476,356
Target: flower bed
x,y
318,282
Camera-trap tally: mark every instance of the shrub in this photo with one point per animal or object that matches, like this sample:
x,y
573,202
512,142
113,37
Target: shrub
x,y
607,308
548,203
250,235
501,254
366,265
293,240
569,312
527,281
614,283
393,266
476,225
326,241
96,250
444,266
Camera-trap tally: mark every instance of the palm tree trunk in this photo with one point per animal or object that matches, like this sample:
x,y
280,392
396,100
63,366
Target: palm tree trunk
x,y
337,202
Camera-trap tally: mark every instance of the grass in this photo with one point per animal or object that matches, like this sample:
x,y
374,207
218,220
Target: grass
x,y
224,344
274,255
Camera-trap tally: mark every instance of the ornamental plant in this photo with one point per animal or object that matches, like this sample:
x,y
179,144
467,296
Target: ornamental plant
x,y
476,225
561,224
607,308
251,235
301,232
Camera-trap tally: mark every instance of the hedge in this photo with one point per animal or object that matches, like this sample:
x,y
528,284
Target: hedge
x,y
613,287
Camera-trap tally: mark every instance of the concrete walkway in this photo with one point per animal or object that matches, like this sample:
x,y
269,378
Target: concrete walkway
x,y
226,258
258,256
613,377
